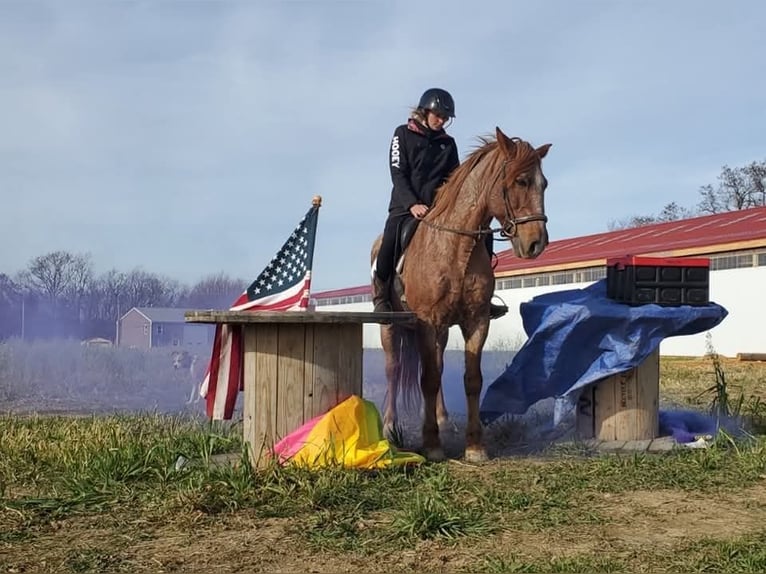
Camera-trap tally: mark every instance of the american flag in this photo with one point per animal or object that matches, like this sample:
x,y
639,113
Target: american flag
x,y
284,285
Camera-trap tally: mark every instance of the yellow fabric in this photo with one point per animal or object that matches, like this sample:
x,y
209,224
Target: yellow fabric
x,y
351,435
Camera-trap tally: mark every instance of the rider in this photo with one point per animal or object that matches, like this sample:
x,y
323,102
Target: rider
x,y
421,157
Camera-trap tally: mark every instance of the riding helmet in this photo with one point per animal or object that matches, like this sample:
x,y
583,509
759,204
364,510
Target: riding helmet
x,y
439,101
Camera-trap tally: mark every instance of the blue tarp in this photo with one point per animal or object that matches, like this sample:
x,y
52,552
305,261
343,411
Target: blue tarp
x,y
579,336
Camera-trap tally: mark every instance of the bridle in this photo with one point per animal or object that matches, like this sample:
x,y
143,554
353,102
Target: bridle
x,y
509,229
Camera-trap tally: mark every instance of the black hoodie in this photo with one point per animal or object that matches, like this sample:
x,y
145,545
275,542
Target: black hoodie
x,y
420,159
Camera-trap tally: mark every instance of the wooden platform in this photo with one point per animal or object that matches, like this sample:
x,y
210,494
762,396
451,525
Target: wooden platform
x,y
623,407
297,365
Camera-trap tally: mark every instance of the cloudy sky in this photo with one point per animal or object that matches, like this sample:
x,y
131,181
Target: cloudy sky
x,y
187,138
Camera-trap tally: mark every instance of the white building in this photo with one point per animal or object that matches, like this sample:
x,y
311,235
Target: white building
x,y
734,242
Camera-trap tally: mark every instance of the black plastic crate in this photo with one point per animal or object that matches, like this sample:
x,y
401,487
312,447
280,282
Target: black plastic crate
x,y
663,281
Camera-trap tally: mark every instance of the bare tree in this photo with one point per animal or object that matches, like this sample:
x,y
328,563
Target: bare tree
x,y
61,279
737,188
671,212
143,289
214,292
10,307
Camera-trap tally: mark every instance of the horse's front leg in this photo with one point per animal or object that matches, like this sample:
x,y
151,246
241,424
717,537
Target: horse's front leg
x,y
430,382
475,335
442,416
393,370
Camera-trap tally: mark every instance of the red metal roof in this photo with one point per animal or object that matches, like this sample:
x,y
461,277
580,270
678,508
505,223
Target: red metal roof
x,y
347,292
684,237
705,234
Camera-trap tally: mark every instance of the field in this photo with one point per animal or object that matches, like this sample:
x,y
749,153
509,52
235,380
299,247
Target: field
x,y
104,492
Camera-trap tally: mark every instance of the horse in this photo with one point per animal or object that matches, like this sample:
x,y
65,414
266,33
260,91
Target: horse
x,y
445,277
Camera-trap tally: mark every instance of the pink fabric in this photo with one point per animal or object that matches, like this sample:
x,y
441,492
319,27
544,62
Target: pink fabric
x,y
293,442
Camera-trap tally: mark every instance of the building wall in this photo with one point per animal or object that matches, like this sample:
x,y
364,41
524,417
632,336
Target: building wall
x,y
739,291
137,331
167,334
134,330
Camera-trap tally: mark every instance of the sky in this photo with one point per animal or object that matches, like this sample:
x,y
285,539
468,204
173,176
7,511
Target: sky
x,y
187,138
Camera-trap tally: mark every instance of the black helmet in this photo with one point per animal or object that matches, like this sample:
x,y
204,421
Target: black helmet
x,y
439,101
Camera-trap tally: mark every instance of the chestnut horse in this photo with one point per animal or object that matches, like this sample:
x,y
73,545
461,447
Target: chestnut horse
x,y
446,279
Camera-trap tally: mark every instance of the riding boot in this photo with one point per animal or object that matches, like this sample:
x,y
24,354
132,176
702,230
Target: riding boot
x,y
381,295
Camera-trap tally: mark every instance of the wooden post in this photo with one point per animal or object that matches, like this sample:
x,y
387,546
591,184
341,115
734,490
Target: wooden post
x,y
297,365
624,406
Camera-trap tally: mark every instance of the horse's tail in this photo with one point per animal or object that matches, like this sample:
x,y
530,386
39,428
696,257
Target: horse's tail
x,y
409,371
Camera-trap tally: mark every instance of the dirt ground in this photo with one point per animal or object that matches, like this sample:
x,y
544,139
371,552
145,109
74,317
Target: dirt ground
x,y
637,523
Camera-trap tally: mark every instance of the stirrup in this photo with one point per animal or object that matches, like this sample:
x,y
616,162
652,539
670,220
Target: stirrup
x,y
497,311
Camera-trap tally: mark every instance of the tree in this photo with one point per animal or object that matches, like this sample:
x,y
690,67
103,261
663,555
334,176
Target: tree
x,y
214,292
737,188
671,212
61,279
143,289
10,304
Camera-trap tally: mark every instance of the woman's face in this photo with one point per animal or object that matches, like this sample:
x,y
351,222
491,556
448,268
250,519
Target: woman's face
x,y
435,120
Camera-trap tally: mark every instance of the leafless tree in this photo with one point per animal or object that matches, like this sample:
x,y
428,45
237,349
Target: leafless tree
x,y
671,212
214,292
737,188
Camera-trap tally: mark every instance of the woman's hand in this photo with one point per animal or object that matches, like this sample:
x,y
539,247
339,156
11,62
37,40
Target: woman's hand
x,y
419,210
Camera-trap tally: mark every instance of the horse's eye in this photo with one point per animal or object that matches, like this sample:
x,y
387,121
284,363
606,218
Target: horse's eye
x,y
522,181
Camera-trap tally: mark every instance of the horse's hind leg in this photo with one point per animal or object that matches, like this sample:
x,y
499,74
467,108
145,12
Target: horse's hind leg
x,y
475,336
389,339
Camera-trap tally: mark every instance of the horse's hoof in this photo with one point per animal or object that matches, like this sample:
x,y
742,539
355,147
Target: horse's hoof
x,y
476,455
434,454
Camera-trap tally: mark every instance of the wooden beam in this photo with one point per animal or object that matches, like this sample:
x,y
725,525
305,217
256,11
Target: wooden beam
x,y
313,317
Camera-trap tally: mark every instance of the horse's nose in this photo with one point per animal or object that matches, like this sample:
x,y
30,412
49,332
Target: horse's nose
x,y
537,247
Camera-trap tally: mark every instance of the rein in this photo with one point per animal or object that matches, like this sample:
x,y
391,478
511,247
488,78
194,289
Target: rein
x,y
508,230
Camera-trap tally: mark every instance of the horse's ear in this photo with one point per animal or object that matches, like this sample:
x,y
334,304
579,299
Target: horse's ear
x,y
506,145
542,151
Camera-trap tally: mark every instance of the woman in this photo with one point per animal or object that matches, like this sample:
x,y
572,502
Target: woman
x,y
421,157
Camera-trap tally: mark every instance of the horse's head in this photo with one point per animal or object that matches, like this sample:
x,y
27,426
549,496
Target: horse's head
x,y
517,201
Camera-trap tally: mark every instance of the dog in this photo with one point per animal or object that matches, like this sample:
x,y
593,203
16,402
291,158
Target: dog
x,y
185,361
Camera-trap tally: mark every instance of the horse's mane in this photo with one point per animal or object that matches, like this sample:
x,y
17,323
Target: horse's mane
x,y
448,193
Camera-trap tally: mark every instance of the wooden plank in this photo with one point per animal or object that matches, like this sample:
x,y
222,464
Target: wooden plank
x,y
326,342
647,415
625,409
250,404
247,317
291,351
349,362
308,374
605,407
266,390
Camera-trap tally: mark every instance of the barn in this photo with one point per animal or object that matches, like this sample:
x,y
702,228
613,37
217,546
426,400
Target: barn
x,y
734,242
150,327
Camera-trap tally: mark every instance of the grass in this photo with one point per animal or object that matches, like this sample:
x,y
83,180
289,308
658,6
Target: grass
x,y
117,472
106,494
